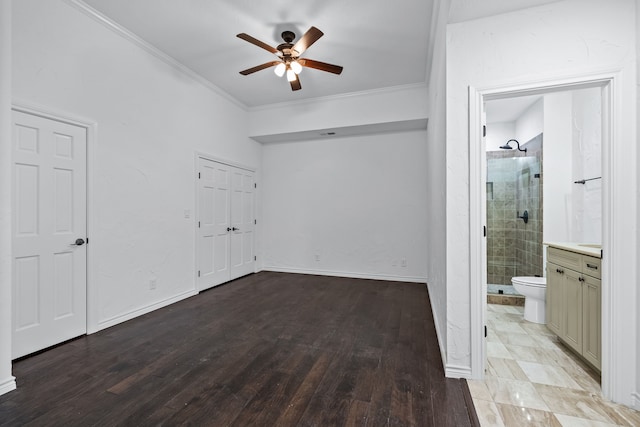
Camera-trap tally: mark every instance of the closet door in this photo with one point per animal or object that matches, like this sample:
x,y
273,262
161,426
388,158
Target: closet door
x,y
225,223
214,224
242,223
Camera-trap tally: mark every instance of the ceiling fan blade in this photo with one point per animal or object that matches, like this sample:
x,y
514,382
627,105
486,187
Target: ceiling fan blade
x,y
309,38
323,66
259,67
295,84
257,42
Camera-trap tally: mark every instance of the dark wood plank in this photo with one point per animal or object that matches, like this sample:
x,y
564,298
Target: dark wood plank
x,y
269,349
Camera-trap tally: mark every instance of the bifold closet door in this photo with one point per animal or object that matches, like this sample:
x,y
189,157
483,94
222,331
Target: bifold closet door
x,y
225,223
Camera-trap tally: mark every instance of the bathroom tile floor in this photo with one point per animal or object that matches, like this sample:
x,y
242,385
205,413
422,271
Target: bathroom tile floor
x,y
533,380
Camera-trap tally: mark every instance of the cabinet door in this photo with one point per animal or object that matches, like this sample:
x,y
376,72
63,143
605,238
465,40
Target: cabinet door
x,y
591,320
555,300
572,327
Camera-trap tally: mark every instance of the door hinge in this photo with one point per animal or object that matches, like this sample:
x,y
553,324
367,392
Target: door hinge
x,y
484,130
199,276
198,224
255,258
199,176
87,240
255,185
484,230
485,331
601,253
255,221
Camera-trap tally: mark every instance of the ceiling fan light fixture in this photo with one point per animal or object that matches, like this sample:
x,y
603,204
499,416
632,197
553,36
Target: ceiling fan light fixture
x,y
296,67
291,76
280,69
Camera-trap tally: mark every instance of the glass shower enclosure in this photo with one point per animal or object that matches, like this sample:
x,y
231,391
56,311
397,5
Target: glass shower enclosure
x,y
514,215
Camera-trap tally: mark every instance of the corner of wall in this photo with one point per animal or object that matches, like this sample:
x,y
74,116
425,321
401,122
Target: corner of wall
x,y
7,385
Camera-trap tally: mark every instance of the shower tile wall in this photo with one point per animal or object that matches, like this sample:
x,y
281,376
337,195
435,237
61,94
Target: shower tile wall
x,y
513,247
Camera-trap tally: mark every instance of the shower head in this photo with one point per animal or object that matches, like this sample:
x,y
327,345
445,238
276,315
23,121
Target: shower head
x,y
509,147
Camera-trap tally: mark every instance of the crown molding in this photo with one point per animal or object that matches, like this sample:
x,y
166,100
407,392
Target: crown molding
x,y
329,98
152,50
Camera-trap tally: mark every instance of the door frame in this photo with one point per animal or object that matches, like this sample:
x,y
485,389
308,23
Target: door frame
x,y
90,127
614,376
202,155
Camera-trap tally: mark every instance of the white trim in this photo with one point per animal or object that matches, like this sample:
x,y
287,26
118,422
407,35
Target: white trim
x,y
8,385
439,332
329,98
223,161
370,276
112,321
612,319
91,128
152,50
456,371
635,400
477,220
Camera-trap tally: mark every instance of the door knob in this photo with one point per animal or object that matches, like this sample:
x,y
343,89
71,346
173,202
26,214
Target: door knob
x,y
78,242
235,229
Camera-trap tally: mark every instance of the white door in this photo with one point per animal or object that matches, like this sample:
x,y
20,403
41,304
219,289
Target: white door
x,y
49,232
242,223
214,224
225,223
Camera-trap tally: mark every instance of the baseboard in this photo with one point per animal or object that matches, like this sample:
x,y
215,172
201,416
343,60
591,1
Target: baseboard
x,y
439,334
456,371
636,400
8,385
370,276
107,323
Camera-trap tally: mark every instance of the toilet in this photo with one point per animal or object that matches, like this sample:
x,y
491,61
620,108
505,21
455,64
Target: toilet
x,y
534,290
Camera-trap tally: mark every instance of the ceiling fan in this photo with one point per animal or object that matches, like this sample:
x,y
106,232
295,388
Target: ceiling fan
x,y
289,61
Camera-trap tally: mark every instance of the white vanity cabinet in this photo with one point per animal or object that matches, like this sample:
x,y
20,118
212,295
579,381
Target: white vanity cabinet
x,y
574,300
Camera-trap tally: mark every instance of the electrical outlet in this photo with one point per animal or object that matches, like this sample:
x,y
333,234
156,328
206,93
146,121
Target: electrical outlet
x,y
317,258
152,284
187,213
403,263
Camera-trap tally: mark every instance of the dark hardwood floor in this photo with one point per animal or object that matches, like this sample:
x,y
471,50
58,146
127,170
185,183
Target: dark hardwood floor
x,y
269,349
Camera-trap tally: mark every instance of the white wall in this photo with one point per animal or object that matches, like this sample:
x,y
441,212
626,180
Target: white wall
x,y
347,206
637,122
587,164
436,217
7,381
561,40
151,119
498,134
382,106
530,123
557,165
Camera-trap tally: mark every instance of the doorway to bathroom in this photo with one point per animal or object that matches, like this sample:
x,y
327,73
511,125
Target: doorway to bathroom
x,y
560,187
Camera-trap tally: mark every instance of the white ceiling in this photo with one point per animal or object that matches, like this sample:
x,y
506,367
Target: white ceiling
x,y
509,109
379,43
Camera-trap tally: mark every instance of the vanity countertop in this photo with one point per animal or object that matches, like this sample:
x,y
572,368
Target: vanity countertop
x,y
581,248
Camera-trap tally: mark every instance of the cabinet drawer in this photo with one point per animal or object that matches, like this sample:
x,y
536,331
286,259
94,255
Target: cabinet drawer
x,y
566,259
591,266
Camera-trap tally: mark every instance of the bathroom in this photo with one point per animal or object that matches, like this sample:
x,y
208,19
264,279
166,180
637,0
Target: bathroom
x,y
543,182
